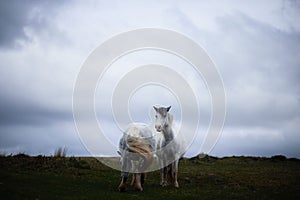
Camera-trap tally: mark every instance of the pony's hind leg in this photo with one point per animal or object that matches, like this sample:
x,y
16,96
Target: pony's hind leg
x,y
161,176
176,173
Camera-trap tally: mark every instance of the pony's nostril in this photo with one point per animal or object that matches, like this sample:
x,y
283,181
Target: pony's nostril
x,y
157,127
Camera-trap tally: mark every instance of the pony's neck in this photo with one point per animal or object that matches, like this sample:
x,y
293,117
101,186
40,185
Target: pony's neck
x,y
168,134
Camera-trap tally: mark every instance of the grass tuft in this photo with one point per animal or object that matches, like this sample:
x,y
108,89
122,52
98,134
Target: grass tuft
x,y
60,152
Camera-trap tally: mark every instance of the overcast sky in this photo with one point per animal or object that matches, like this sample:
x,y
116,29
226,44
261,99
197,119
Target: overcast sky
x,y
256,47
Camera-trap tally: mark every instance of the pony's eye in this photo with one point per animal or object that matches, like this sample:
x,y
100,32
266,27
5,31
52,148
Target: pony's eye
x,y
155,116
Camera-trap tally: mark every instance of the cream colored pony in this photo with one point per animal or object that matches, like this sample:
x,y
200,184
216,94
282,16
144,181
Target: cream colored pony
x,y
136,149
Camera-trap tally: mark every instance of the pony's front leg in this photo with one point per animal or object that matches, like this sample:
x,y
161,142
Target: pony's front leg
x,y
143,175
133,179
122,185
137,182
124,174
163,173
165,176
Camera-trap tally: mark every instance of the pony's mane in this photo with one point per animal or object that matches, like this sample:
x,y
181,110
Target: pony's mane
x,y
137,144
170,118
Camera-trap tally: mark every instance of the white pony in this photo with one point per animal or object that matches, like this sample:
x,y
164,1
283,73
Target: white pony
x,y
168,149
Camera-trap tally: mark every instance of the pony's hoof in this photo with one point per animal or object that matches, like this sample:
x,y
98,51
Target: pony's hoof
x,y
139,189
164,184
176,184
122,187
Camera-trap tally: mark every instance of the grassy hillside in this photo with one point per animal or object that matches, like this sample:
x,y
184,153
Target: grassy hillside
x,y
24,177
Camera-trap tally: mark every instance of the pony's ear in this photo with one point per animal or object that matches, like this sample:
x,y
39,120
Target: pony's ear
x,y
168,108
156,109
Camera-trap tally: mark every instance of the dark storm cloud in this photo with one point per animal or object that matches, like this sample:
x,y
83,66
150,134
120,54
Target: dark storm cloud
x,y
17,15
13,18
20,112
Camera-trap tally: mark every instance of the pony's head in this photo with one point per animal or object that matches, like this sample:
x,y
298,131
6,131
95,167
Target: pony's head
x,y
163,118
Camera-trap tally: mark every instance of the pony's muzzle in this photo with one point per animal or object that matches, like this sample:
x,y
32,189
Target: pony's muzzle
x,y
158,128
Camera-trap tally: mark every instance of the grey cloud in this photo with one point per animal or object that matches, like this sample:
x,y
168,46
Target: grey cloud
x,y
259,64
262,77
16,16
260,67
